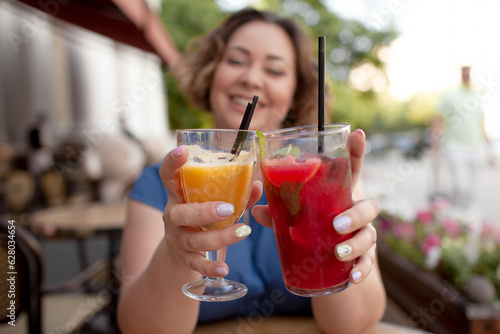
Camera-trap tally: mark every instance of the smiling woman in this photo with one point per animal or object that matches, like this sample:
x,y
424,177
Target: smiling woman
x,y
250,53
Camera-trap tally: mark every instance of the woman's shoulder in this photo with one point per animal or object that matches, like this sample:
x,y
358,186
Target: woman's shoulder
x,y
149,189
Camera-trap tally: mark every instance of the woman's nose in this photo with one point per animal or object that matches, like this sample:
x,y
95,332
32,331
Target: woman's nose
x,y
252,77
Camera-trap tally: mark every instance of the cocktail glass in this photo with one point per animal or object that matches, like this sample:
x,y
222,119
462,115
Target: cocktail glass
x,y
307,178
213,173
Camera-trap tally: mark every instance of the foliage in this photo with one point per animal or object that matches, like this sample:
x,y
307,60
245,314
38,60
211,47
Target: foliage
x,y
348,43
441,239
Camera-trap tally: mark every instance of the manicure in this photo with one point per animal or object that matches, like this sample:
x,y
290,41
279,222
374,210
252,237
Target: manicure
x,y
356,275
344,250
243,231
177,152
225,209
221,271
342,223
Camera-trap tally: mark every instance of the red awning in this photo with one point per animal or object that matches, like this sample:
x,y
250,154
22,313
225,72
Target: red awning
x,y
126,21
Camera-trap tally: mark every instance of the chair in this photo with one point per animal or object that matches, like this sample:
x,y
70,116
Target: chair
x,y
36,308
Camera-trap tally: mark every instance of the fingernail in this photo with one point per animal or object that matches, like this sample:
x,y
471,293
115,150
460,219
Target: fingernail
x,y
344,250
177,152
243,231
221,271
225,209
342,223
362,132
356,275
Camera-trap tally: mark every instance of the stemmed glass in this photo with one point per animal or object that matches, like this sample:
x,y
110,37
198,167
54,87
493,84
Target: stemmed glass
x,y
220,167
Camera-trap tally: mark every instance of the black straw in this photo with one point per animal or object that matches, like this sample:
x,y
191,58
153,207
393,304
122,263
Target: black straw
x,y
321,92
245,124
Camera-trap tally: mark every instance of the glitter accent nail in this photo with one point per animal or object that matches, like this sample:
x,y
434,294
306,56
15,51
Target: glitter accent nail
x,y
344,250
356,275
243,231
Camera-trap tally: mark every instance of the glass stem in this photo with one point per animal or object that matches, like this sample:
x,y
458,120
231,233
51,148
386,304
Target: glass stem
x,y
212,256
216,255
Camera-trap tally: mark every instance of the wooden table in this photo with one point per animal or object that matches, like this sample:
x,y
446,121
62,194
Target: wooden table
x,y
80,222
81,219
287,325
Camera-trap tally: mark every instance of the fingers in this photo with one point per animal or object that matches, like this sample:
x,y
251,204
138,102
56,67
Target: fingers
x,y
262,215
191,244
362,247
363,266
256,194
210,240
170,172
359,215
363,243
197,214
357,146
198,262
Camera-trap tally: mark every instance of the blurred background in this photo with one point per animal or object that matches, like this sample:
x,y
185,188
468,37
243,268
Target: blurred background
x,y
91,78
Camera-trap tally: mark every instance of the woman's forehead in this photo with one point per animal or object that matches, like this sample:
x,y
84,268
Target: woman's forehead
x,y
260,36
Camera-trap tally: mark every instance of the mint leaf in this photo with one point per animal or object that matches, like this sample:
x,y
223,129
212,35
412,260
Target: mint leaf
x,y
289,193
261,141
289,150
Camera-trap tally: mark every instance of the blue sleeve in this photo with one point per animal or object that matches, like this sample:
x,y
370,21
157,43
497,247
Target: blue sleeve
x,y
149,188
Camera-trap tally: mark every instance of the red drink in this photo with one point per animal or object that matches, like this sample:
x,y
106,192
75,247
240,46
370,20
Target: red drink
x,y
304,196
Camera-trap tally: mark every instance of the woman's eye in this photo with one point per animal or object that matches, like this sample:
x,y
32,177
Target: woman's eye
x,y
275,72
235,61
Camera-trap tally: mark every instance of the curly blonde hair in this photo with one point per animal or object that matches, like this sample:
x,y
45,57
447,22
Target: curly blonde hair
x,y
203,54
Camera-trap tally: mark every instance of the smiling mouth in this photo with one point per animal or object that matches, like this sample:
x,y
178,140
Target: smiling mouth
x,y
243,101
240,101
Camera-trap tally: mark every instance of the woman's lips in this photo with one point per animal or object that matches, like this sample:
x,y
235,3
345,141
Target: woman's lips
x,y
243,102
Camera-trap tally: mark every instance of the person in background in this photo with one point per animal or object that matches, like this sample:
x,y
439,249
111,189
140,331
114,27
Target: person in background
x,y
250,53
458,134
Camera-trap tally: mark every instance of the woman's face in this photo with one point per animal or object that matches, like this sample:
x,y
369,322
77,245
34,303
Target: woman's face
x,y
259,59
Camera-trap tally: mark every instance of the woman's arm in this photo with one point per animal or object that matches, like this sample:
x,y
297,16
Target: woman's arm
x,y
355,310
161,251
151,300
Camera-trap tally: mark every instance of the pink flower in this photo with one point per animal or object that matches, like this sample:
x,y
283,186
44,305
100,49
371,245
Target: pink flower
x,y
425,216
430,241
404,231
385,225
452,227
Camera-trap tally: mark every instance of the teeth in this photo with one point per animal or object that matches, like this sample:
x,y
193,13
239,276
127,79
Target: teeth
x,y
240,101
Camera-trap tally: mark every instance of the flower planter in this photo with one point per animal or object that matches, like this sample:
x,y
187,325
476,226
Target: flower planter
x,y
431,303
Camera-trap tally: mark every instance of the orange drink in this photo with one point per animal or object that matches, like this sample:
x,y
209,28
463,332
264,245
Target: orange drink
x,y
226,183
220,168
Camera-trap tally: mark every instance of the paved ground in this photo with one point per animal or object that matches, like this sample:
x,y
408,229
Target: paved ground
x,y
410,182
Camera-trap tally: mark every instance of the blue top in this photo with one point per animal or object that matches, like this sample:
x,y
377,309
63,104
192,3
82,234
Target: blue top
x,y
253,261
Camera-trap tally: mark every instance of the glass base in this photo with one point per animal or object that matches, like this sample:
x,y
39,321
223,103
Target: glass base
x,y
214,290
319,292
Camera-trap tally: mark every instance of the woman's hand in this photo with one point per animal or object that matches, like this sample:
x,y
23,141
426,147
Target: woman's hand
x,y
182,220
355,220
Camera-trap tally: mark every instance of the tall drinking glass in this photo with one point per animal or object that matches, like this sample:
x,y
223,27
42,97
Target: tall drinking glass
x,y
307,178
213,173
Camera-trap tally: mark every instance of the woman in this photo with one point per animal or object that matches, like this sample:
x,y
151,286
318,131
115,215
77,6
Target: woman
x,y
251,53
